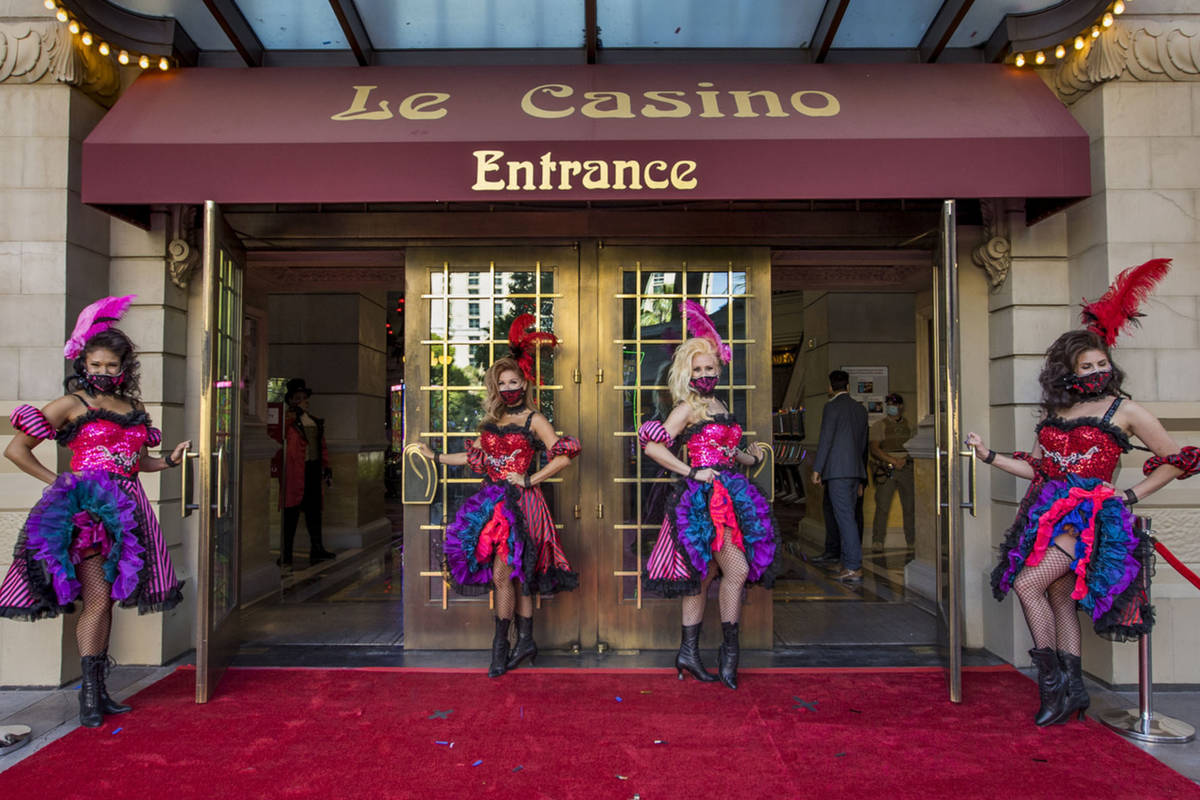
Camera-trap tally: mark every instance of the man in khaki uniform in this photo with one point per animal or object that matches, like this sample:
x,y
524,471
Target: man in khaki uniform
x,y
892,469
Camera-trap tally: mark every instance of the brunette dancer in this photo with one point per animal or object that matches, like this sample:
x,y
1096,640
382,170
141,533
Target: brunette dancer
x,y
716,519
1074,542
93,535
503,535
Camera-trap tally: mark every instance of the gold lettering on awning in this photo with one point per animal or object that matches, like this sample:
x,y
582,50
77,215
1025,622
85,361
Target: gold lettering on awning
x,y
495,174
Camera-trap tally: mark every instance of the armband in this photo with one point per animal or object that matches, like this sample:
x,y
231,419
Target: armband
x,y
1187,461
31,422
654,431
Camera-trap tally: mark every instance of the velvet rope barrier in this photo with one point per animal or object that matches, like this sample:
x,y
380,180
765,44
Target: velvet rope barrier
x,y
1179,566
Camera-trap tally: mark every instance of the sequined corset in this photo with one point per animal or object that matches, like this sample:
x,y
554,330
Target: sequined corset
x,y
713,444
505,450
1088,447
104,440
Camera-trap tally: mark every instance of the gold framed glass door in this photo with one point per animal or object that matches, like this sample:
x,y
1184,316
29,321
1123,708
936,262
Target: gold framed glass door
x,y
461,301
949,454
640,290
217,628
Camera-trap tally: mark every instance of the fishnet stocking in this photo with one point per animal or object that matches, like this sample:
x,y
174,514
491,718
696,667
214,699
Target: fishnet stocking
x,y
733,566
505,595
1049,611
95,620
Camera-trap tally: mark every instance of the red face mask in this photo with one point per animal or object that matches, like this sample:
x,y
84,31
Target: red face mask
x,y
1092,385
512,397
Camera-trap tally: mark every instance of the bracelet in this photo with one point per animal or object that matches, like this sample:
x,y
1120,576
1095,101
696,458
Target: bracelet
x,y
528,483
989,458
437,457
691,476
1130,497
167,460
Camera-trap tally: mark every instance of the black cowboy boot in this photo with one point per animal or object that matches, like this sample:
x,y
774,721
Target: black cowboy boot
x,y
90,715
107,704
1052,684
728,655
525,647
688,657
1075,698
499,649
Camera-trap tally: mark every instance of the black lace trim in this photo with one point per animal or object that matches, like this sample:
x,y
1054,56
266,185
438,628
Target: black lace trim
x,y
127,420
1121,437
554,580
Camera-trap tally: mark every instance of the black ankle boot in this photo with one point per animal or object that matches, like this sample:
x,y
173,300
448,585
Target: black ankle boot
x,y
90,715
525,647
688,657
1075,697
107,704
499,649
728,655
1051,682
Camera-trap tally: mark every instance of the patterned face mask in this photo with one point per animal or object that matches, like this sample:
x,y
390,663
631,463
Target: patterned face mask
x,y
704,386
512,397
103,384
1094,384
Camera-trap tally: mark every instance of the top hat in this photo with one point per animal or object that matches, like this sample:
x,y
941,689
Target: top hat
x,y
294,386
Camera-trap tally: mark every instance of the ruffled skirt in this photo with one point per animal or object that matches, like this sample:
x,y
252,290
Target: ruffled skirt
x,y
79,512
697,519
515,524
1108,558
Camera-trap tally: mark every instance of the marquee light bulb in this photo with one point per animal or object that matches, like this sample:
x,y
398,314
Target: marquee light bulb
x,y
1040,58
1060,51
163,64
1095,31
1107,20
104,49
86,39
1118,7
1078,42
49,4
61,16
73,26
144,62
1019,60
123,57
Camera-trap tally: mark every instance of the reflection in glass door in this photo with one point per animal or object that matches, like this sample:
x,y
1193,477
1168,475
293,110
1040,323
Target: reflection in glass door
x,y
640,325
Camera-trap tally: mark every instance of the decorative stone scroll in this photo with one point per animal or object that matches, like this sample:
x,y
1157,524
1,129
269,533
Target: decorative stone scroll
x,y
995,254
183,251
1142,51
36,51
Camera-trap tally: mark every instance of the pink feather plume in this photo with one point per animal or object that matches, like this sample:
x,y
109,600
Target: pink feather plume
x,y
98,316
700,325
1118,307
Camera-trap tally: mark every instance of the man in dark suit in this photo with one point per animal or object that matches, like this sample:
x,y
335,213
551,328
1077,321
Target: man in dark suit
x,y
840,469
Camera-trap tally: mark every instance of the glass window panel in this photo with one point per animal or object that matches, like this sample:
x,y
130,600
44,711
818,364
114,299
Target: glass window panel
x,y
295,25
739,318
982,18
703,23
419,24
885,23
660,282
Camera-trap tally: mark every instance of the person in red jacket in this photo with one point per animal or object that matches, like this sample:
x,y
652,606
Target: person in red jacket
x,y
304,475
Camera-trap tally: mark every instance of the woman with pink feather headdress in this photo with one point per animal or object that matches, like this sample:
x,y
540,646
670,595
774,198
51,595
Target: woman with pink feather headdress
x,y
93,535
1074,543
716,520
503,538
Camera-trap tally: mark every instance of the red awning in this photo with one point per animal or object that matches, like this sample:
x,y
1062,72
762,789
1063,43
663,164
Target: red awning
x,y
608,132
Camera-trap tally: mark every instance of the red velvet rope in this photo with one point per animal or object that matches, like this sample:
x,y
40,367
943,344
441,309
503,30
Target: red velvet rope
x,y
1179,566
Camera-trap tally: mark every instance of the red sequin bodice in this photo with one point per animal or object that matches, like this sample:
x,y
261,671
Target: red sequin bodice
x,y
109,442
1087,448
713,444
505,450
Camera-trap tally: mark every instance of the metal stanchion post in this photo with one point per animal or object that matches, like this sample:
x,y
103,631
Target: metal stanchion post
x,y
1141,723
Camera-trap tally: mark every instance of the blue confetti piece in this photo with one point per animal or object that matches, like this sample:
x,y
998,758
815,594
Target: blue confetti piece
x,y
441,714
118,730
518,768
437,742
619,700
477,763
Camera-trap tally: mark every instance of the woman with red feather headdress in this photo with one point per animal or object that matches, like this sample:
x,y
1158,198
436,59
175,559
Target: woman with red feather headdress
x,y
92,536
716,520
1074,544
503,536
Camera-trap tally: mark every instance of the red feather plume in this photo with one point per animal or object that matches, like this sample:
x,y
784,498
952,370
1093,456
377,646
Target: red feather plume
x,y
1118,307
525,343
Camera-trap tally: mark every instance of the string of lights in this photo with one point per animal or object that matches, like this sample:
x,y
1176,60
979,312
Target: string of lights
x,y
1106,21
86,38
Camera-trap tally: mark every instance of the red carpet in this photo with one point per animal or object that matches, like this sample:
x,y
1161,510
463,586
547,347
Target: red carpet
x,y
564,734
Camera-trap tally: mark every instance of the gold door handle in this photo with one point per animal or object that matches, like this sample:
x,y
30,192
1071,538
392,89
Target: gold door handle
x,y
599,510
220,482
970,453
578,511
186,507
600,375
